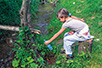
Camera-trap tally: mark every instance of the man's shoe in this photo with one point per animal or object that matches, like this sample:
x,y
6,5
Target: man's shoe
x,y
69,57
62,51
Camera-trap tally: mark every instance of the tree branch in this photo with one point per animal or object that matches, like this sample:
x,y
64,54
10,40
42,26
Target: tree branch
x,y
13,28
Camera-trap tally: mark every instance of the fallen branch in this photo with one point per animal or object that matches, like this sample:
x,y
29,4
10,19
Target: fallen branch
x,y
13,28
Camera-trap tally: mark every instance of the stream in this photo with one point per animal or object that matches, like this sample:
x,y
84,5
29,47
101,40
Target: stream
x,y
44,15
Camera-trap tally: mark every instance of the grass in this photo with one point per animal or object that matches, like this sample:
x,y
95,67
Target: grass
x,y
91,12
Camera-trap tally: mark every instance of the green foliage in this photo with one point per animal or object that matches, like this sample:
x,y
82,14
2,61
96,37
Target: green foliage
x,y
34,7
26,51
9,13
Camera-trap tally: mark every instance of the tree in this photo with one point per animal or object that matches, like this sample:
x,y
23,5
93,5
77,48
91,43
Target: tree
x,y
25,15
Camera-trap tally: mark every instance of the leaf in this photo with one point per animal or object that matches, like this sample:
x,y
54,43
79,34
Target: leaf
x,y
33,45
20,28
26,29
20,38
31,49
21,33
69,61
28,41
15,44
41,58
43,53
63,56
30,61
54,51
82,53
58,62
33,65
15,63
22,65
31,35
18,41
29,58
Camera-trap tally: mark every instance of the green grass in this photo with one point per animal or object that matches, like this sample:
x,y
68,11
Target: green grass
x,y
91,12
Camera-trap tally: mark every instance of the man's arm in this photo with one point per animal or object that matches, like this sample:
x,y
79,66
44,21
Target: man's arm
x,y
77,18
55,36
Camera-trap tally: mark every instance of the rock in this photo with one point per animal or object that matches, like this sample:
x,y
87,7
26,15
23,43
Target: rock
x,y
7,64
5,60
3,66
1,60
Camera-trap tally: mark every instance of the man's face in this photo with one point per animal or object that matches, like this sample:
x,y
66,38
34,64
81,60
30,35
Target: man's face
x,y
62,19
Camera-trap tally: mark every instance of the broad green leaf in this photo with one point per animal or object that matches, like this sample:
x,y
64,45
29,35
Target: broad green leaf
x,y
58,62
18,41
31,50
33,45
15,63
29,58
22,65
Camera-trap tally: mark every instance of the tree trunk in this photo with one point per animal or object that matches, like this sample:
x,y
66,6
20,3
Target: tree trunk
x,y
23,13
85,46
29,12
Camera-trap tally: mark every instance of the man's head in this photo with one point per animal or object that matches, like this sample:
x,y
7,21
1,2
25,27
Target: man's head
x,y
62,14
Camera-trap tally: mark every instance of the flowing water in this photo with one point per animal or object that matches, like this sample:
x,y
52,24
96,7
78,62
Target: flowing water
x,y
44,14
